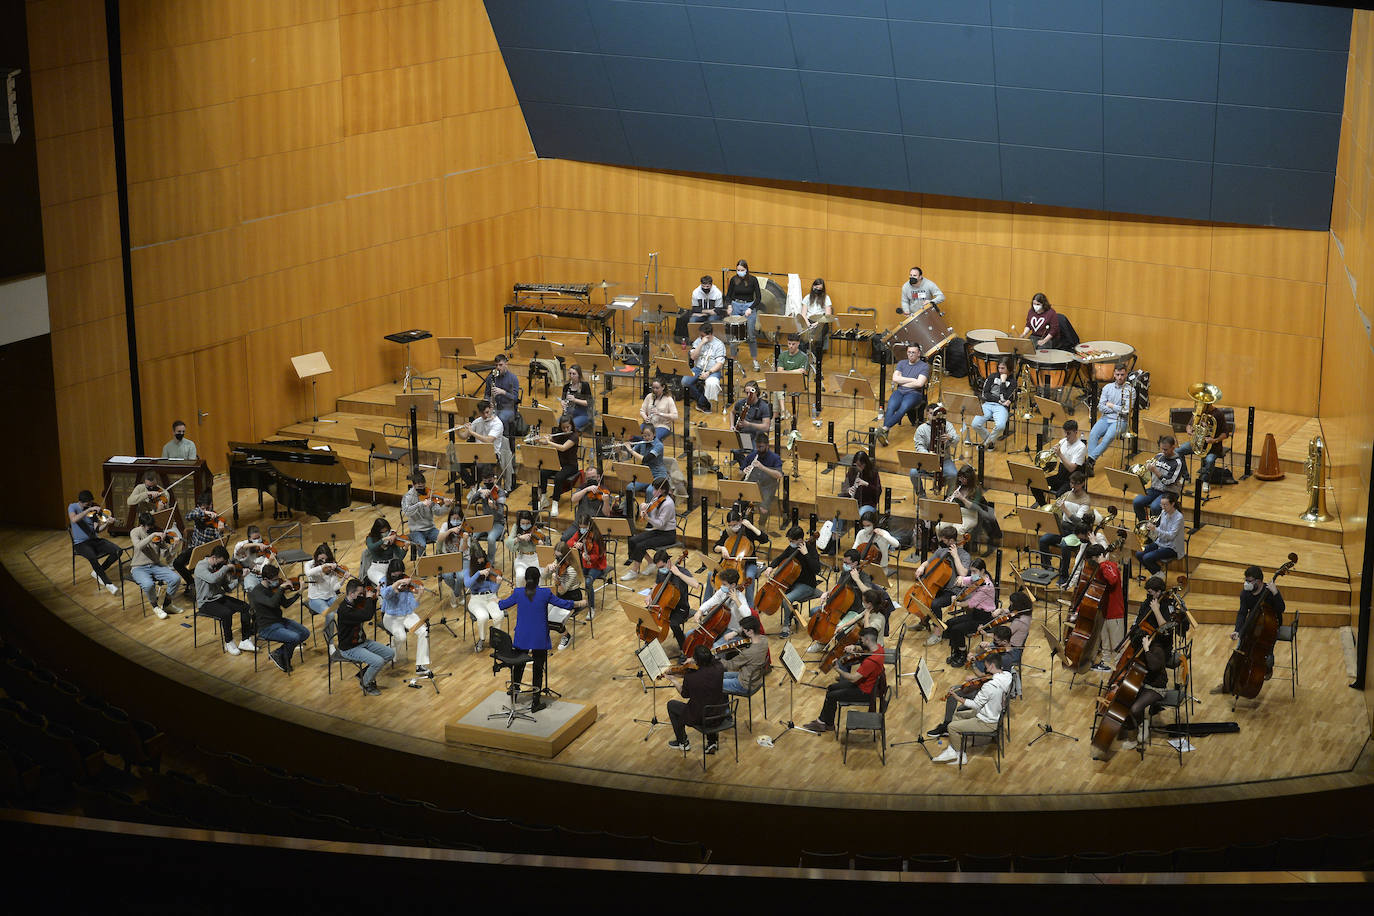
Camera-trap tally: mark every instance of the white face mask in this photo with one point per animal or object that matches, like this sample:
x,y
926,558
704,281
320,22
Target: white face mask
x,y
741,271
583,530
524,526
255,539
848,567
1038,308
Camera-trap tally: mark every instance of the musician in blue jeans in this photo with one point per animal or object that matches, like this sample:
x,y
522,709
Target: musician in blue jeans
x,y
1113,413
909,379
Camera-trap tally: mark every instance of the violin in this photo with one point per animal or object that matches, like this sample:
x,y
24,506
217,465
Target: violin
x,y
1002,619
691,665
339,569
985,653
971,684
410,585
1249,665
966,594
836,603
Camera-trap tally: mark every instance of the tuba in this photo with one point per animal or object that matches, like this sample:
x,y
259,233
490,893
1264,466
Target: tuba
x,y
1204,424
1316,481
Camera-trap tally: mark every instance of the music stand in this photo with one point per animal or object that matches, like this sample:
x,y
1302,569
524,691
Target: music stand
x,y
777,325
311,366
531,348
837,508
816,451
1028,476
1124,481
463,405
856,386
440,564
593,364
539,417
456,348
1014,346
333,532
925,685
408,338
203,551
377,445
1045,728
477,453
538,457
965,407
854,323
732,491
622,427
939,512
794,667
424,405
1151,430
672,365
626,472
716,440
788,384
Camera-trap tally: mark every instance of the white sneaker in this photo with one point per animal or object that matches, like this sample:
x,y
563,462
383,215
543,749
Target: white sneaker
x,y
553,512
171,608
112,588
631,574
933,639
756,365
247,644
160,613
232,649
959,759
946,756
1129,745
565,641
815,647
453,602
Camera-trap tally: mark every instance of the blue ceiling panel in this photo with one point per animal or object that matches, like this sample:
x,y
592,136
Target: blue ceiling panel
x,y
1271,197
661,141
1198,109
842,44
1157,127
957,168
938,51
1157,187
1159,68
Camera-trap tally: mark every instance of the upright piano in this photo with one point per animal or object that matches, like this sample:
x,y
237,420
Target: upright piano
x,y
300,478
187,477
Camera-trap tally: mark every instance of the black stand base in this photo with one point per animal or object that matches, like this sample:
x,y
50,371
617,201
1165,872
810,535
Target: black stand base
x,y
1046,731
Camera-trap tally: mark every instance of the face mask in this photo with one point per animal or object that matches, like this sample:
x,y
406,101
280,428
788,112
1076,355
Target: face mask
x,y
1039,309
795,546
818,289
255,539
181,435
583,530
706,289
741,271
848,567
913,280
524,526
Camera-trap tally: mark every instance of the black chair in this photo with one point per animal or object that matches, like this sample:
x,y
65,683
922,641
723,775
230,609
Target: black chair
x,y
874,721
1289,634
331,634
998,738
505,655
878,862
932,862
264,645
810,859
893,656
714,720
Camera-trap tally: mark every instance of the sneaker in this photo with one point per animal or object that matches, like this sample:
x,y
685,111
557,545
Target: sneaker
x,y
160,613
171,608
815,647
933,639
591,615
1129,745
1098,666
247,644
112,588
553,512
565,641
956,659
1217,691
948,755
422,671
785,632
882,437
1062,584
277,660
629,574
478,647
371,690
959,759
232,649
816,727
677,745
939,731
756,365
1235,636
713,747
453,602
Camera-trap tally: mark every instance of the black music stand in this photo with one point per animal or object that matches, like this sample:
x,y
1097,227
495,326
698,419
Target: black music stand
x,y
1045,728
408,338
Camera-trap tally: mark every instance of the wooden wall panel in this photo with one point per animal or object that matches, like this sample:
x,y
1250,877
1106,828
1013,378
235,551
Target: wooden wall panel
x,y
801,206
874,211
394,38
476,82
290,181
180,78
180,142
260,15
65,32
1279,371
1071,282
485,138
1280,306
95,419
296,292
80,232
290,58
862,258
86,293
395,266
1178,293
686,196
387,158
292,239
383,99
499,240
276,395
275,122
169,384
1159,241
958,219
781,249
76,165
963,267
191,322
579,234
185,266
484,193
566,185
1290,254
72,98
183,205
397,213
94,349
698,245
1061,230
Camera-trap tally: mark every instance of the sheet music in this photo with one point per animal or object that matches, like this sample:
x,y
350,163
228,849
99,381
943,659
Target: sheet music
x,y
653,658
923,680
558,615
792,662
122,459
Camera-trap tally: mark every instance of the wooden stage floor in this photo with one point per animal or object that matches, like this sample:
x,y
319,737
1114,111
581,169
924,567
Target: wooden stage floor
x,y
1285,744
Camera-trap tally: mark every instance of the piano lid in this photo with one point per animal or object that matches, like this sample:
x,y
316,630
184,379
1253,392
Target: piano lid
x,y
296,450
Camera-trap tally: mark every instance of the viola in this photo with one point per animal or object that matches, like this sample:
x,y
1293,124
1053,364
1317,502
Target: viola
x,y
691,665
836,603
663,600
985,653
969,685
1249,665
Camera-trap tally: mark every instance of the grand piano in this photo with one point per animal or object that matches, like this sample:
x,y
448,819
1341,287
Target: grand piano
x,y
300,478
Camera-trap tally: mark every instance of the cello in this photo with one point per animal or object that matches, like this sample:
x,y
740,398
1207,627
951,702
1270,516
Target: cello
x,y
662,602
923,591
1251,661
849,637
740,547
836,603
773,585
1087,601
710,629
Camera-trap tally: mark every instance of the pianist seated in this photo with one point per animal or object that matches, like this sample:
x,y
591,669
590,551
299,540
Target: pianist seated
x,y
179,447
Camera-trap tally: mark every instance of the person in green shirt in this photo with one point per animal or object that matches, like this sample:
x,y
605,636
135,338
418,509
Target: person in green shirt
x,y
793,359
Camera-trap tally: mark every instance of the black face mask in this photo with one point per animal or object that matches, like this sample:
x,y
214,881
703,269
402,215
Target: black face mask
x,y
181,435
913,280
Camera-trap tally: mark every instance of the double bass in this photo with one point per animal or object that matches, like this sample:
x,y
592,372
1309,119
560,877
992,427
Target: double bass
x,y
1087,601
1251,661
663,600
1123,687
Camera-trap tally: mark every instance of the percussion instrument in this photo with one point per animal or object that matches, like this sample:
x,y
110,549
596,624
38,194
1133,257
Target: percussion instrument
x,y
815,333
984,335
1102,356
772,297
984,359
927,329
1051,367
